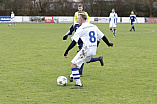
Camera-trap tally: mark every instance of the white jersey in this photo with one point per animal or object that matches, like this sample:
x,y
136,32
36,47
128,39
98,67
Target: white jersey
x,y
12,15
89,34
113,17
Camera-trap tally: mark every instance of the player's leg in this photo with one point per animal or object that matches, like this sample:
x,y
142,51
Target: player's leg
x,y
76,75
77,62
132,26
80,45
114,32
97,59
10,23
92,59
14,23
111,27
81,70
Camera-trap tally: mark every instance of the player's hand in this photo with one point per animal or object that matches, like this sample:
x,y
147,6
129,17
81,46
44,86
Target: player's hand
x,y
111,45
65,37
66,54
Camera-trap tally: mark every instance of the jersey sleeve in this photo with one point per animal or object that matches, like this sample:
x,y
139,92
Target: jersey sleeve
x,y
75,17
88,19
99,34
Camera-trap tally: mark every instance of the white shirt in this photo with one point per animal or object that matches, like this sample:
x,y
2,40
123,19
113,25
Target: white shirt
x,y
12,15
89,34
113,17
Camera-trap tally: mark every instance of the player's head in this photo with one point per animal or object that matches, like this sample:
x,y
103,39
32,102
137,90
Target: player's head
x,y
80,7
113,10
12,12
132,12
81,18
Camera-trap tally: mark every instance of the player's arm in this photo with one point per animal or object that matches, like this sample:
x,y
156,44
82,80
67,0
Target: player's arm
x,y
88,19
68,34
106,41
73,43
110,18
75,39
72,26
103,37
116,18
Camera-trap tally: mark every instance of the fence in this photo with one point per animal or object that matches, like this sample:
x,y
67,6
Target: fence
x,y
66,19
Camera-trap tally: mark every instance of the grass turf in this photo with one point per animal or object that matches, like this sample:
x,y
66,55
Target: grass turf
x,y
31,59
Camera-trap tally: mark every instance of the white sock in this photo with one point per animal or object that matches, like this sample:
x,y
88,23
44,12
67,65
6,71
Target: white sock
x,y
78,82
71,75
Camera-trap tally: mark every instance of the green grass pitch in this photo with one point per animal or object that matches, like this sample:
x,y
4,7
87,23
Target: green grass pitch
x,y
31,59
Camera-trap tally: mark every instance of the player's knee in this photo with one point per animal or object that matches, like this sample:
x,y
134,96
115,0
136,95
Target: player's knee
x,y
73,66
88,61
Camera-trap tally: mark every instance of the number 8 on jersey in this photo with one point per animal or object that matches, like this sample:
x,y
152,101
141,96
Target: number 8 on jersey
x,y
92,38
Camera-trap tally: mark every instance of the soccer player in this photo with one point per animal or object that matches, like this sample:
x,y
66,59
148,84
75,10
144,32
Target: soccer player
x,y
113,21
12,19
74,27
89,34
132,18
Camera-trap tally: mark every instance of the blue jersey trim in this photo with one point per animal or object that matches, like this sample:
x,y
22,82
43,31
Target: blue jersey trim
x,y
109,19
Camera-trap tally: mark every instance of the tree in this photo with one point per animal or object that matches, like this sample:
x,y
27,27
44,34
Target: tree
x,y
144,8
150,7
22,7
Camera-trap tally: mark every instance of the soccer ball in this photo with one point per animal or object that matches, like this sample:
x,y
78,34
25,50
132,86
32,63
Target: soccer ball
x,y
61,80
